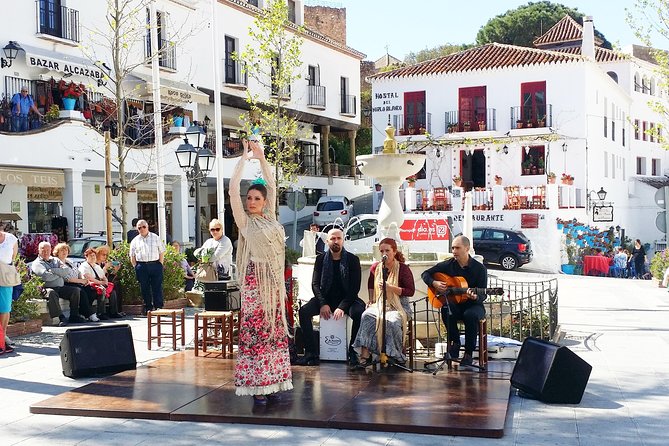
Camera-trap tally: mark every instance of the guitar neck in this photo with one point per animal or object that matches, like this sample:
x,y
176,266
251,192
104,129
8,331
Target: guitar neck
x,y
464,290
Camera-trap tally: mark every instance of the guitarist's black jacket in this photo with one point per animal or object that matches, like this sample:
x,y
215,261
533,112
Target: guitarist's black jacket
x,y
474,273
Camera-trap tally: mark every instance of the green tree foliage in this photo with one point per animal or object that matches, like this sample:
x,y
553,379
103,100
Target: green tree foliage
x,y
273,61
434,53
522,25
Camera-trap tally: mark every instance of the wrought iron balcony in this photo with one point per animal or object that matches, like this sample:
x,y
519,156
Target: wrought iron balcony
x,y
235,73
531,116
167,57
57,21
412,124
348,105
471,120
316,96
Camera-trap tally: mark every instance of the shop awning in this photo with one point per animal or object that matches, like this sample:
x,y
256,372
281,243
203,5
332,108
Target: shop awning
x,y
61,62
171,92
10,217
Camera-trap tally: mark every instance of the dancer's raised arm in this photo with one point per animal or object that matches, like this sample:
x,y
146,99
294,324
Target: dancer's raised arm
x,y
234,190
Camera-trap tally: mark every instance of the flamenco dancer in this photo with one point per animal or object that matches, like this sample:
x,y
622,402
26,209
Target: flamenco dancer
x,y
263,361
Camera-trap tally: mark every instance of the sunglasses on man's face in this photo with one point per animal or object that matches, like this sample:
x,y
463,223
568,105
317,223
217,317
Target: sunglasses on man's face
x,y
142,227
214,229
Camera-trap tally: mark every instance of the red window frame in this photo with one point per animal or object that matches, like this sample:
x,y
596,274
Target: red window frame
x,y
533,103
414,110
472,107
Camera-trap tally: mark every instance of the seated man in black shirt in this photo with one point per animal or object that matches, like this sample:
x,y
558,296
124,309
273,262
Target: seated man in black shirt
x,y
335,283
470,311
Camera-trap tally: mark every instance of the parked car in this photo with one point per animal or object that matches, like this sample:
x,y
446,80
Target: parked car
x,y
510,249
331,208
78,247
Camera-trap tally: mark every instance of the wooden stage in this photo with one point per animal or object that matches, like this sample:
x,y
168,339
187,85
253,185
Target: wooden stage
x,y
183,387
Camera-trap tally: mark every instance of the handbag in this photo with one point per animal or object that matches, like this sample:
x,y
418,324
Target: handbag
x,y
206,272
9,276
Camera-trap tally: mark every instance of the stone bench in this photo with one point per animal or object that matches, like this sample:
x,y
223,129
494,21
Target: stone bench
x,y
44,310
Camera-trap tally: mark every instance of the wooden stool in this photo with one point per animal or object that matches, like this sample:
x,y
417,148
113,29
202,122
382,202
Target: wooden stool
x,y
171,320
217,329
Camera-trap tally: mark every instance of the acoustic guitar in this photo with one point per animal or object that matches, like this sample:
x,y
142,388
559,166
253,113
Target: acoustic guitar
x,y
456,292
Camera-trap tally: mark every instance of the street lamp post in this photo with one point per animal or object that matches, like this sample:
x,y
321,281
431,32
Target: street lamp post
x,y
196,161
601,195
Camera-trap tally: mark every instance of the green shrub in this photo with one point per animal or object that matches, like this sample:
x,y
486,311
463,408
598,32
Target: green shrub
x,y
659,264
24,309
173,275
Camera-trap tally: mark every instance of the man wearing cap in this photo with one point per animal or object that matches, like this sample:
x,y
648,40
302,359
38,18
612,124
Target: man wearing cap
x,y
22,103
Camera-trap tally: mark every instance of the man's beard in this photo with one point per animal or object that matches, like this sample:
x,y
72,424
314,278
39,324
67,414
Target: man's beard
x,y
335,248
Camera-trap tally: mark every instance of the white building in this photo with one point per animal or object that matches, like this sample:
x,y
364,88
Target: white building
x,y
58,169
566,106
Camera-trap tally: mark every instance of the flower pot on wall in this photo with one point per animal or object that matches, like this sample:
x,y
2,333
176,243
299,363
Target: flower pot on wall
x,y
68,103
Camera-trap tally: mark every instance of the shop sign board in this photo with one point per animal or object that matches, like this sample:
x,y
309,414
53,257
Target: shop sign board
x,y
28,177
63,66
602,213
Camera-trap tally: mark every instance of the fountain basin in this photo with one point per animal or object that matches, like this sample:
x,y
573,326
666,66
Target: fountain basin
x,y
390,165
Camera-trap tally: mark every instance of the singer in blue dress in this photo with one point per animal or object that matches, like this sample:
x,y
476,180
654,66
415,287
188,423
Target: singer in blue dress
x,y
399,287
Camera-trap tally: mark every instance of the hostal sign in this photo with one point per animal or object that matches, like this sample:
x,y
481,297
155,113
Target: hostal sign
x,y
384,102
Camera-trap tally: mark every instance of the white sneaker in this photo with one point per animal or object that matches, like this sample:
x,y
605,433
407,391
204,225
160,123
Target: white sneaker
x,y
93,318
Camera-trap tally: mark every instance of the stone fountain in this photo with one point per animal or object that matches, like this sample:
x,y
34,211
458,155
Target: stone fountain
x,y
390,169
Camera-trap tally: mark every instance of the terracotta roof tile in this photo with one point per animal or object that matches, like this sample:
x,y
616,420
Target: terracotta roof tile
x,y
566,30
601,54
486,57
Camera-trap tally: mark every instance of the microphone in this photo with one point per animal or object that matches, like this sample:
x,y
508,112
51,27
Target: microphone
x,y
384,258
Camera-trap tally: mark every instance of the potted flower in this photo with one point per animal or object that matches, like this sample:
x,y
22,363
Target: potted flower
x,y
457,180
467,126
541,166
498,180
412,130
567,179
70,95
422,130
551,177
411,180
541,121
519,124
529,124
403,131
482,125
452,128
527,165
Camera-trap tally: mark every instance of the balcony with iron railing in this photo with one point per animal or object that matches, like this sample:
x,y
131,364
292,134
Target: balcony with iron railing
x,y
525,117
471,120
167,57
412,124
283,93
348,105
316,96
57,21
235,73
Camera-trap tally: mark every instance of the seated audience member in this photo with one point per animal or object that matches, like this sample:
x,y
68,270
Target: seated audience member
x,y
110,268
50,270
221,247
61,251
189,275
95,275
399,287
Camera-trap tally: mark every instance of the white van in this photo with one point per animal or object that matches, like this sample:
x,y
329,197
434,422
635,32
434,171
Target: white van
x,y
421,233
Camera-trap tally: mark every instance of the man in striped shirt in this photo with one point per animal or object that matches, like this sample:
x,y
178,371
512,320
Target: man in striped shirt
x,y
147,254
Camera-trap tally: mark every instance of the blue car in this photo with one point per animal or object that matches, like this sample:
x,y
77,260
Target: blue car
x,y
509,249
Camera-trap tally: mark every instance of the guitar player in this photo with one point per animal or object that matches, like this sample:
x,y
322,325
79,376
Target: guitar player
x,y
470,311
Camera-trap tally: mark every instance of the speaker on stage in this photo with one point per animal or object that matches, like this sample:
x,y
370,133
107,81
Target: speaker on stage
x,y
97,351
550,372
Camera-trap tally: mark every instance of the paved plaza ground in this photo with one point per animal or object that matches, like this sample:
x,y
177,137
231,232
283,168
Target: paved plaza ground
x,y
619,326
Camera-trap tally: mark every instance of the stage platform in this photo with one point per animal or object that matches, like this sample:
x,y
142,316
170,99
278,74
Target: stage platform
x,y
183,387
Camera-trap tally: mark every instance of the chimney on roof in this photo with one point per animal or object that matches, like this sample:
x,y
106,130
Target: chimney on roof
x,y
588,40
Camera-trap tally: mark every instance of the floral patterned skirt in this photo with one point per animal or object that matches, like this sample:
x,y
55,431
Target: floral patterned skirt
x,y
263,361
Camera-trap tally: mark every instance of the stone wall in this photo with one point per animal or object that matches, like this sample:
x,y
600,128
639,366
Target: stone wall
x,y
330,22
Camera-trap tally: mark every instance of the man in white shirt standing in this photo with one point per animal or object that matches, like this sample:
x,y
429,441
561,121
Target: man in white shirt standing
x,y
147,255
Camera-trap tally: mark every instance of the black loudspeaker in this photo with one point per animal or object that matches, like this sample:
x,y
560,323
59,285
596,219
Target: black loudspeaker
x,y
97,351
550,372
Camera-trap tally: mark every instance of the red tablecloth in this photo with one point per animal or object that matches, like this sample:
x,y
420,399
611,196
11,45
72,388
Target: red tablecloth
x,y
595,265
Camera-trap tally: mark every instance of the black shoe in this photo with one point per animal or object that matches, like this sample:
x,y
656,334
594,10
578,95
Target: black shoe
x,y
467,360
115,315
308,359
76,320
63,321
352,357
103,317
144,311
365,362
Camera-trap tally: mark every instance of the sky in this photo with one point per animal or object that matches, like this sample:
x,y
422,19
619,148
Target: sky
x,y
406,26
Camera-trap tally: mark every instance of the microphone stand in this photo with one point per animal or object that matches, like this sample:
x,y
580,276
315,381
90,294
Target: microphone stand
x,y
384,360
